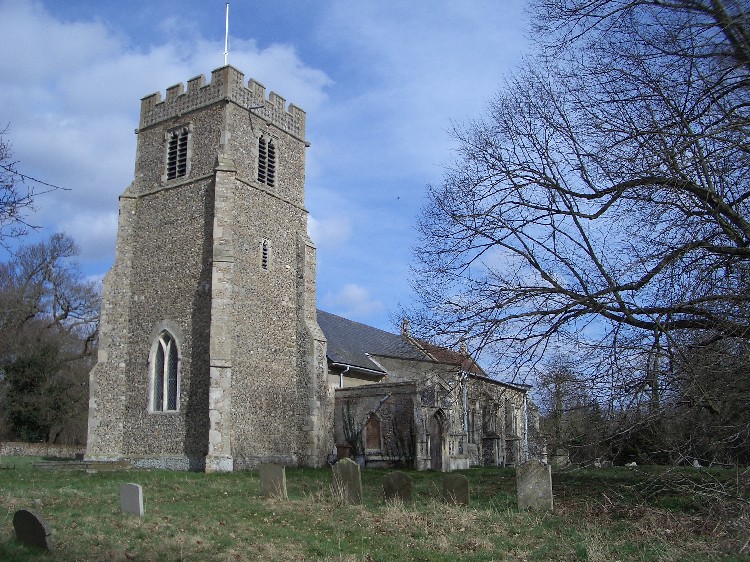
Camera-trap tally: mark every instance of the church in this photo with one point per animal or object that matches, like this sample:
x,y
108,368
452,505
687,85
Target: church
x,y
212,353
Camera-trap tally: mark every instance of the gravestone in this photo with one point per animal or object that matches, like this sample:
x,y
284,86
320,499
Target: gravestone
x,y
32,530
131,499
347,481
534,486
273,480
398,485
456,489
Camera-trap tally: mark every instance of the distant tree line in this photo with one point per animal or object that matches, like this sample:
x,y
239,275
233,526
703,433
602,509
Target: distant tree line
x,y
702,416
49,317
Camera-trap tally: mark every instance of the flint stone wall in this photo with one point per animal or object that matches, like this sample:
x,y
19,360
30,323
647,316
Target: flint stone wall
x,y
11,448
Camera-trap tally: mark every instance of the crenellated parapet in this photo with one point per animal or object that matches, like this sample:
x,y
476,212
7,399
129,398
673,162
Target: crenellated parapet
x,y
227,83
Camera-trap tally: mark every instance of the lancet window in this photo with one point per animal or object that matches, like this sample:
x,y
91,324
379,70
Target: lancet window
x,y
165,374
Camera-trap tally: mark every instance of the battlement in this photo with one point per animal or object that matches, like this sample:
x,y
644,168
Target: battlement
x,y
227,83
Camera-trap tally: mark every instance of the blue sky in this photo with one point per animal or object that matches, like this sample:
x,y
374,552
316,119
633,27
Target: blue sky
x,y
381,82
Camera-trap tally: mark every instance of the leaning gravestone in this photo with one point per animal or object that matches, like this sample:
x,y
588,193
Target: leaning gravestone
x,y
347,480
534,486
456,489
131,499
273,480
32,530
398,486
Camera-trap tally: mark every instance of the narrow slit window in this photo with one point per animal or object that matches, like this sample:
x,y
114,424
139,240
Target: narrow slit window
x,y
177,153
264,254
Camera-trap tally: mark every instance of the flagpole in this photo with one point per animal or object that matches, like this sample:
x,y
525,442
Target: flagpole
x,y
226,38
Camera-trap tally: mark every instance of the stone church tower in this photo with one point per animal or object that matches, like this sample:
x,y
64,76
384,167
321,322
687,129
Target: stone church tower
x,y
210,356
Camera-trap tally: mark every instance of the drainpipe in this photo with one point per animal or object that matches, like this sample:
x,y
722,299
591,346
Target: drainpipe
x,y
525,428
341,376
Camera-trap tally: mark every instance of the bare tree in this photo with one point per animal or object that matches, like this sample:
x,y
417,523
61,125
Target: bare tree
x,y
709,405
48,327
601,208
605,194
571,418
16,198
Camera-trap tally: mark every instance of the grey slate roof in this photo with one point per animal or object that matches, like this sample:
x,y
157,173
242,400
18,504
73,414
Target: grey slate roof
x,y
349,342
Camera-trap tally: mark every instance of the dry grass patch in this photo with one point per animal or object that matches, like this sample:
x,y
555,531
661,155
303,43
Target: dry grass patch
x,y
224,518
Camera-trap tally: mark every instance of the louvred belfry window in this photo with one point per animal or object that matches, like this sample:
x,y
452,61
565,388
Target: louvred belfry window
x,y
177,153
266,161
271,168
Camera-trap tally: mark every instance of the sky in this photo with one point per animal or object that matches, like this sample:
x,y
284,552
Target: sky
x,y
382,83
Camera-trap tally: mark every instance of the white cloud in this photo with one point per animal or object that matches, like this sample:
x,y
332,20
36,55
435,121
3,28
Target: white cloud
x,y
330,231
352,301
95,234
35,44
419,66
71,92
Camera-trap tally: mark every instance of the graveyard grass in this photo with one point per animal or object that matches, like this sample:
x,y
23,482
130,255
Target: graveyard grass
x,y
608,514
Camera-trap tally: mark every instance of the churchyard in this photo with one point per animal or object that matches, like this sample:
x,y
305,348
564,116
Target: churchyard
x,y
599,514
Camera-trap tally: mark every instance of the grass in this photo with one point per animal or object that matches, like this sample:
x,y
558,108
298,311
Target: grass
x,y
608,514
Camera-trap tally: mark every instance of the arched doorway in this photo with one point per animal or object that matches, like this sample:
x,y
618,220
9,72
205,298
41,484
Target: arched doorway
x,y
436,441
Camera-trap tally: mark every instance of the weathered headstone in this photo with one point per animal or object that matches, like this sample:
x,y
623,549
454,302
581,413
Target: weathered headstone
x,y
273,480
399,486
347,480
131,499
534,486
456,489
32,530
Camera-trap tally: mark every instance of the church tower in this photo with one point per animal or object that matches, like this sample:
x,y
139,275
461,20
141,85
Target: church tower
x,y
210,356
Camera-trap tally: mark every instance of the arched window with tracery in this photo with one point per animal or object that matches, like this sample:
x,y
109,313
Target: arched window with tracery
x,y
165,374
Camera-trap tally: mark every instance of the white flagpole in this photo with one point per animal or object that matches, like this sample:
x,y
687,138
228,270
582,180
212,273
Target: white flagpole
x,y
226,38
